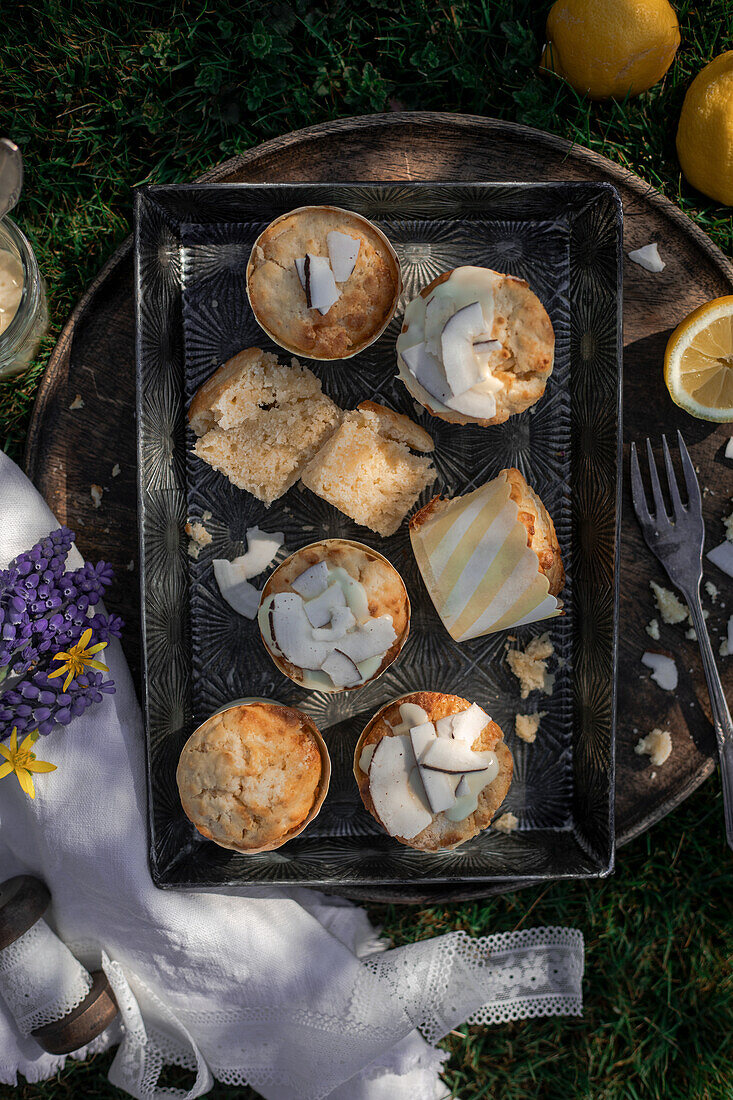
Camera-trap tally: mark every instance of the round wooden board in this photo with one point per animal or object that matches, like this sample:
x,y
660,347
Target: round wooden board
x,y
68,451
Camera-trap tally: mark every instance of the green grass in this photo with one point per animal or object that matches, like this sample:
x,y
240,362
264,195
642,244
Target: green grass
x,y
103,96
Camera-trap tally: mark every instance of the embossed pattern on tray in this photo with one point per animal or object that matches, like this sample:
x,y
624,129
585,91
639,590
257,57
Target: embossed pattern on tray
x,y
192,245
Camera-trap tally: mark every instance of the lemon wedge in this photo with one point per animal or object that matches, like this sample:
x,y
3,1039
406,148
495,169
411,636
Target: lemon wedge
x,y
698,362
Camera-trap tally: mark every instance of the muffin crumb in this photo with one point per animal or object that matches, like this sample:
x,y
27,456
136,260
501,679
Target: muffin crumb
x,y
530,666
527,725
198,537
669,606
507,823
657,745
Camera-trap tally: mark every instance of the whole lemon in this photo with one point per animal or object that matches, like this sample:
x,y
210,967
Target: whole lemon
x,y
611,47
705,131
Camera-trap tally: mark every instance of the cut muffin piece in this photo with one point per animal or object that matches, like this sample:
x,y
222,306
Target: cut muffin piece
x,y
366,470
245,384
260,422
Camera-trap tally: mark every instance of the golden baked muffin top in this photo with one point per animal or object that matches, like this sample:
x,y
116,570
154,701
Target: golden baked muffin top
x,y
516,334
367,298
250,776
442,832
377,607
384,586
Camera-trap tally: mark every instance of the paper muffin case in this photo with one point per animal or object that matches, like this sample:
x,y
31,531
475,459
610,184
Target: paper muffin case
x,y
390,254
323,785
477,567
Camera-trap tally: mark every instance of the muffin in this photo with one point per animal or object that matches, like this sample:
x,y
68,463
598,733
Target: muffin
x,y
253,776
476,347
366,470
430,778
491,559
323,282
260,422
334,615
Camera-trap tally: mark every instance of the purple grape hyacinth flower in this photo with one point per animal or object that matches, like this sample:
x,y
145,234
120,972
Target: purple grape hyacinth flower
x,y
44,610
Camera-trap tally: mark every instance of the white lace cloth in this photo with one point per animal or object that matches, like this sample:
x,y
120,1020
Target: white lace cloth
x,y
286,990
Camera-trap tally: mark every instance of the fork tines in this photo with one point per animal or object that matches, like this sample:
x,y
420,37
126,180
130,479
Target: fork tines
x,y
679,510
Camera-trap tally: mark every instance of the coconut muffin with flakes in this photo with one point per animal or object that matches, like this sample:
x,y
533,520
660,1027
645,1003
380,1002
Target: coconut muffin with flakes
x,y
323,282
476,347
334,615
432,769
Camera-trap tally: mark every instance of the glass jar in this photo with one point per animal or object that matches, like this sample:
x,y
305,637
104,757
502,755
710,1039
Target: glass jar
x,y
20,339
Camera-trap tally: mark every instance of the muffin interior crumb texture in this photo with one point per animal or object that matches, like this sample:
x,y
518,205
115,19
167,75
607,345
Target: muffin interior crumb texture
x,y
278,298
260,422
250,775
367,471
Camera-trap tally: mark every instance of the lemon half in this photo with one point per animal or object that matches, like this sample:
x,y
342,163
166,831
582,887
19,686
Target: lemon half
x,y
698,362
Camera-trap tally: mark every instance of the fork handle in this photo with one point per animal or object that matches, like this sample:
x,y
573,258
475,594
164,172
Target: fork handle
x,y
722,723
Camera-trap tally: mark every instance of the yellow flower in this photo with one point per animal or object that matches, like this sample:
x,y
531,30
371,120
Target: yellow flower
x,y
23,761
77,658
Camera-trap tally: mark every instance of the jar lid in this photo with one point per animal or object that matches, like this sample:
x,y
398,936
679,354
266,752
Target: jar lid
x,y
23,900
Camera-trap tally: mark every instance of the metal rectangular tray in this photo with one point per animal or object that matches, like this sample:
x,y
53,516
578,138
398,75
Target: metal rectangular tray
x,y
192,243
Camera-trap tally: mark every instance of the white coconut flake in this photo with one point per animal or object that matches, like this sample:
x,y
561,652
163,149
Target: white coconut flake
x,y
729,448
96,494
652,629
648,257
261,549
320,286
664,670
242,596
342,252
722,556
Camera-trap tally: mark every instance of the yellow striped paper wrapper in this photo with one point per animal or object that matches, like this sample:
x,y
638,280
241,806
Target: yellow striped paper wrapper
x,y
479,571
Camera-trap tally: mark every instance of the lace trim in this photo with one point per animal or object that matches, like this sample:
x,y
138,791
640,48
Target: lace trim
x,y
437,983
40,980
144,1051
532,972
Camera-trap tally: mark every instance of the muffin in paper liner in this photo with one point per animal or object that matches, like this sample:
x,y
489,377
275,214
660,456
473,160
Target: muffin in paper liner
x,y
490,559
441,833
368,298
225,771
384,590
518,340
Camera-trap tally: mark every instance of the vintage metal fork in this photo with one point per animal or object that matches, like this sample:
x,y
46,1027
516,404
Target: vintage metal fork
x,y
678,543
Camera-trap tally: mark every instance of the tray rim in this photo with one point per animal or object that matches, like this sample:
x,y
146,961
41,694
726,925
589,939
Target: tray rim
x,y
145,193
